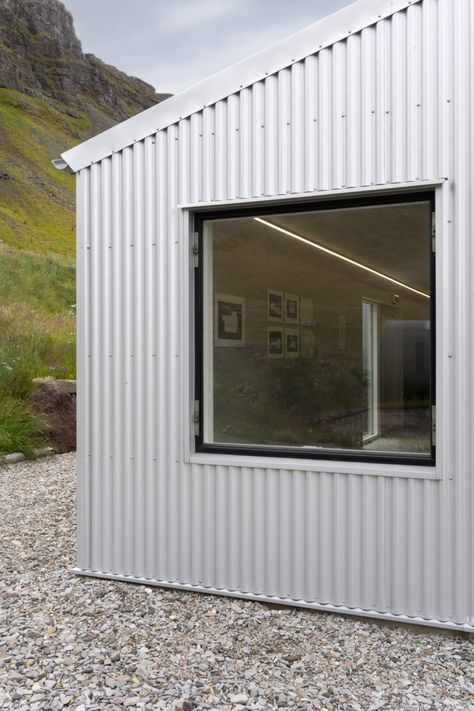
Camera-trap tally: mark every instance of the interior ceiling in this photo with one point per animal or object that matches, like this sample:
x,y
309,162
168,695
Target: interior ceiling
x,y
392,239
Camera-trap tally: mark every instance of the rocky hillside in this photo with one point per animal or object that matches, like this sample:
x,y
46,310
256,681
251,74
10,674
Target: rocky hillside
x,y
41,56
52,96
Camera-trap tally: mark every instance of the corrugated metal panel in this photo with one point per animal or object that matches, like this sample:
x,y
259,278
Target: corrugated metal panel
x,y
392,104
282,54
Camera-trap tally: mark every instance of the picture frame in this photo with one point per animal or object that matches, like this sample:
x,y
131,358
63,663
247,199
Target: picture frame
x,y
275,305
229,320
275,342
292,308
292,343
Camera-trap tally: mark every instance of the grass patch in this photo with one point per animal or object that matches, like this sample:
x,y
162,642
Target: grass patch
x,y
20,429
42,283
32,345
37,339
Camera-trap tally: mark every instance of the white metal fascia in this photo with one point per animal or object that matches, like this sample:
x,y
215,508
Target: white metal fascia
x,y
316,195
310,40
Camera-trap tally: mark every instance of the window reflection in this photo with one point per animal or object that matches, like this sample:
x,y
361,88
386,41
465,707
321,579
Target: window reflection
x,y
317,329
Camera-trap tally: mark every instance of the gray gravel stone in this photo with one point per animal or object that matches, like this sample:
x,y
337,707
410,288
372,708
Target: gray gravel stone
x,y
84,644
239,698
14,458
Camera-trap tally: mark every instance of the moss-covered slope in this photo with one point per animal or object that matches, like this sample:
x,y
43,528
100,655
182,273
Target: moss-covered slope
x,y
36,200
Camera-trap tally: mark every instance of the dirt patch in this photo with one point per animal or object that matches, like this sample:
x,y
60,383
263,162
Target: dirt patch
x,y
59,410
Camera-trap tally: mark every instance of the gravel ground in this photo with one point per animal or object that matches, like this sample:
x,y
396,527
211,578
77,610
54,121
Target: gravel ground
x,y
77,643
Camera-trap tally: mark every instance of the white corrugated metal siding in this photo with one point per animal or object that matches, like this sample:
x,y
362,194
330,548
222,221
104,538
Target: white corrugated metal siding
x,y
391,104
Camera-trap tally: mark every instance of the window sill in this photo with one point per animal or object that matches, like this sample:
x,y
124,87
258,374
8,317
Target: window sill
x,y
406,471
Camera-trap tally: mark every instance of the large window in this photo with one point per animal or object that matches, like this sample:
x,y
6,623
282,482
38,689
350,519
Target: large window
x,y
315,331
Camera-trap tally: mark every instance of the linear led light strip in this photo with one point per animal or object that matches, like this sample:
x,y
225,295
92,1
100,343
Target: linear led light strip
x,y
341,256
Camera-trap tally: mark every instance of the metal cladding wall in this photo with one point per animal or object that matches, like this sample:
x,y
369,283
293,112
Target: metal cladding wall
x,y
392,104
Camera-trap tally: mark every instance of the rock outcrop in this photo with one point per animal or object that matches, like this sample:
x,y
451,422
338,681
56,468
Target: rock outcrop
x,y
40,55
52,97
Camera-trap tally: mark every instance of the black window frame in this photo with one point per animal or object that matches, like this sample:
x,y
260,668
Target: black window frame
x,y
286,207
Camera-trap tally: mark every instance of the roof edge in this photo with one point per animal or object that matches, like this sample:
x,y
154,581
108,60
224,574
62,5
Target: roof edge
x,y
287,51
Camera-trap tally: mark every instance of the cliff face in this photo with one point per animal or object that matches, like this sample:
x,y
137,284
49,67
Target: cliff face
x,y
52,97
41,56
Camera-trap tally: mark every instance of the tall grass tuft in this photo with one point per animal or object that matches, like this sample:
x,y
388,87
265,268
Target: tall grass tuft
x,y
33,344
20,429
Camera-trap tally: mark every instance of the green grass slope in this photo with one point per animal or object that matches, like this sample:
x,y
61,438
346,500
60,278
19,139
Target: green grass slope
x,y
37,248
37,338
36,200
52,97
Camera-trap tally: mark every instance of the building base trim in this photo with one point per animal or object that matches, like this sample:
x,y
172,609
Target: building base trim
x,y
273,599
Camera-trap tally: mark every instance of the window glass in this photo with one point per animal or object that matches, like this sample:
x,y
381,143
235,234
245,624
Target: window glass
x,y
316,329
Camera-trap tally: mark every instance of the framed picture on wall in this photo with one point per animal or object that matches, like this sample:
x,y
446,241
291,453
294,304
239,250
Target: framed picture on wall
x,y
292,308
292,342
229,320
275,305
275,339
